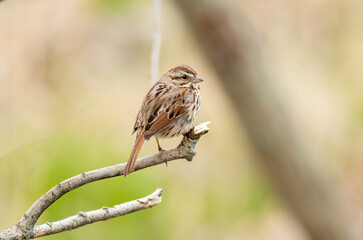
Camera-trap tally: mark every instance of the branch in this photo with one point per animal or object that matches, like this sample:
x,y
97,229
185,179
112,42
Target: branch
x,y
155,51
24,229
105,213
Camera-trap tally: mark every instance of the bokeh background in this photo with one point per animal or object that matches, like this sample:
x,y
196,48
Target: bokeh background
x,y
73,74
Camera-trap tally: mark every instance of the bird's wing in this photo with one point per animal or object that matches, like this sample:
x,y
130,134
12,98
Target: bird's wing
x,y
167,116
162,105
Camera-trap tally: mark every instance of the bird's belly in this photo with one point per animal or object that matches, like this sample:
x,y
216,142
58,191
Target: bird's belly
x,y
181,126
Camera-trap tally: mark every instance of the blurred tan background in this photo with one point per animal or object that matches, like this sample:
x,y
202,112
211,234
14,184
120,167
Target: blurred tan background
x,y
73,74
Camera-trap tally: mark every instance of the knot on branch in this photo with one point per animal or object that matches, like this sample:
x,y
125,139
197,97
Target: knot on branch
x,y
191,138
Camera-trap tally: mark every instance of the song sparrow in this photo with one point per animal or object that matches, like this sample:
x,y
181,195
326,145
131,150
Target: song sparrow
x,y
168,109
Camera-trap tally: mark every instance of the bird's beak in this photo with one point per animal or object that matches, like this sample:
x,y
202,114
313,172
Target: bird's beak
x,y
197,79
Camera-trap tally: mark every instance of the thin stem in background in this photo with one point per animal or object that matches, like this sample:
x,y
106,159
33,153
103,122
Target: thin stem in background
x,y
155,51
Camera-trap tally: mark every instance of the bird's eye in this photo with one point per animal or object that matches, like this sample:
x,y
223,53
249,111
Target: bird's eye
x,y
184,76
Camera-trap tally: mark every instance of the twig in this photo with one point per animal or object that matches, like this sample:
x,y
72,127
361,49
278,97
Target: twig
x,y
24,229
105,213
156,42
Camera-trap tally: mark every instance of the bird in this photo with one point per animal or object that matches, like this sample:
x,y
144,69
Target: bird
x,y
168,110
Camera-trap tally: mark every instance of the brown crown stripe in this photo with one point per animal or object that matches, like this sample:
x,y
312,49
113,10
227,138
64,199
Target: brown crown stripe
x,y
184,68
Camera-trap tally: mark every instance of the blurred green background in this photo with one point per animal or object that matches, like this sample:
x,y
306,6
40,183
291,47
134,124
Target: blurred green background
x,y
73,74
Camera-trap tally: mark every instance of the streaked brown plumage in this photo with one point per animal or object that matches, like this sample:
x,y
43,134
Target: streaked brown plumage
x,y
169,109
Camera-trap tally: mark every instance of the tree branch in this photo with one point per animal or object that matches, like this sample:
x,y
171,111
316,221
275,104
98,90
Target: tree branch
x,y
105,213
24,229
234,50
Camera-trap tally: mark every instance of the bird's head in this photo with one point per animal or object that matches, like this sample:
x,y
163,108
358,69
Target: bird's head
x,y
183,75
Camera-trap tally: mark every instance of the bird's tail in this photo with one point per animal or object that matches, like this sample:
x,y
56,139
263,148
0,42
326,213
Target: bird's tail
x,y
135,151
